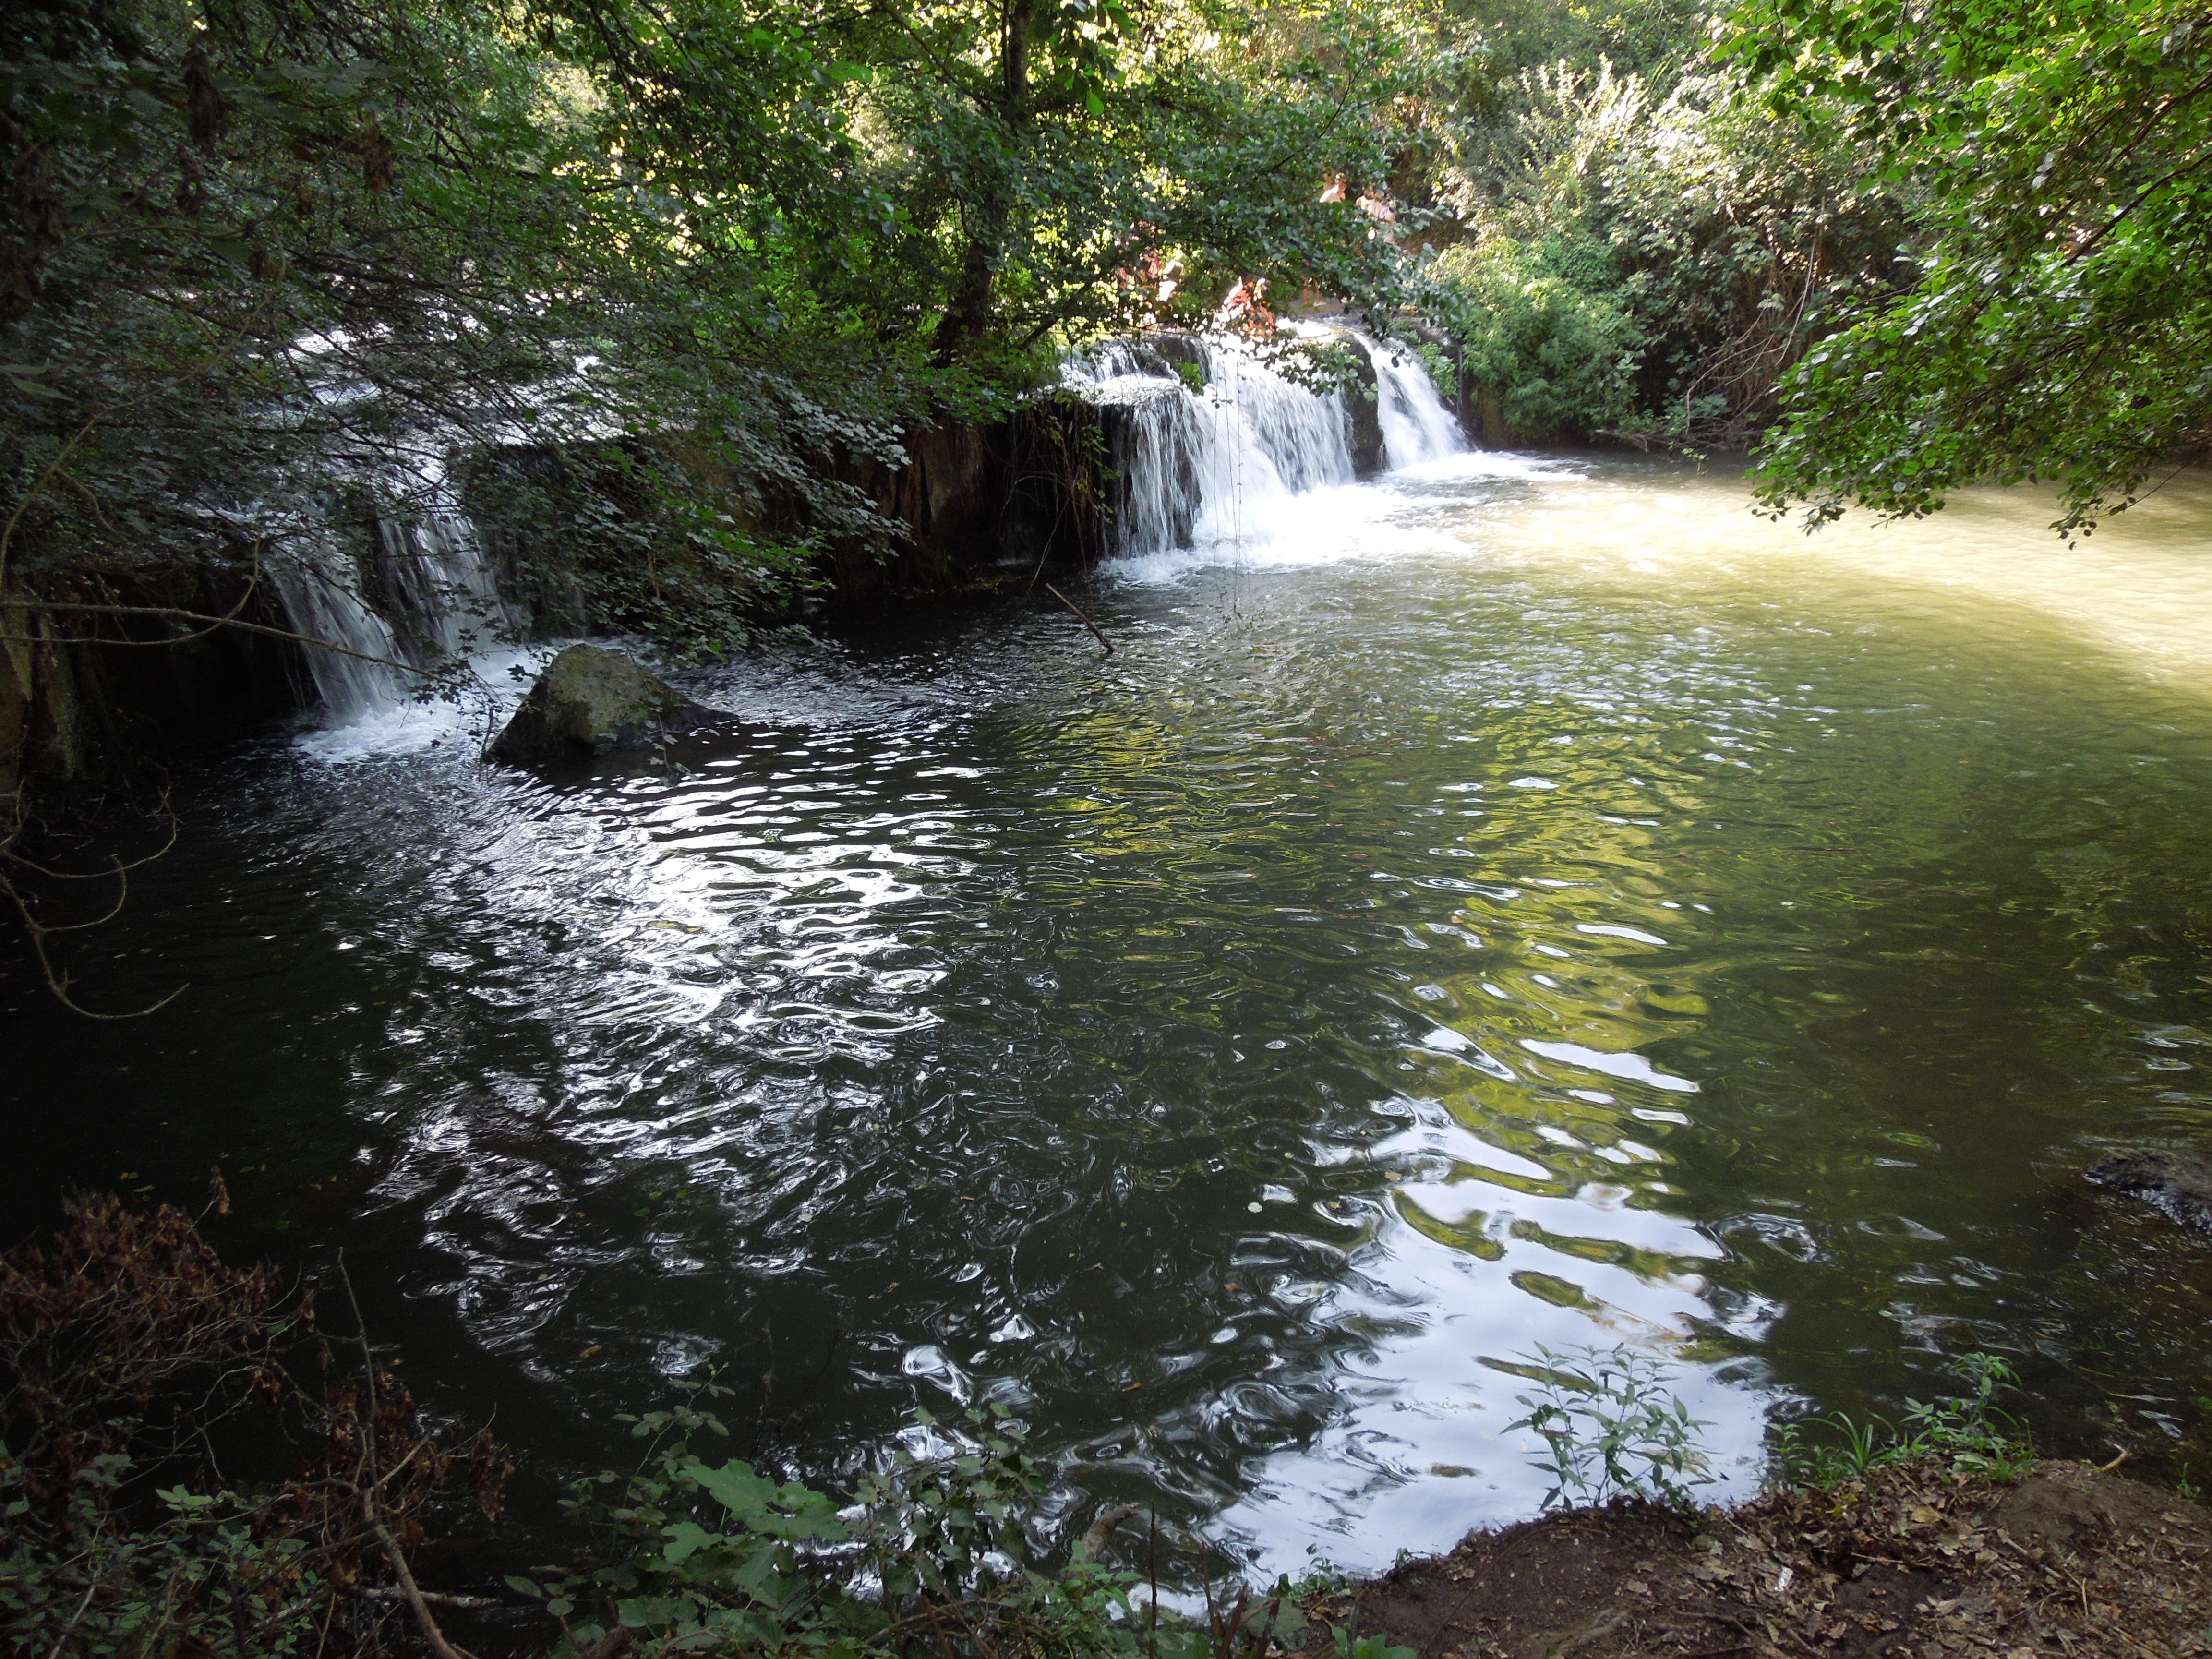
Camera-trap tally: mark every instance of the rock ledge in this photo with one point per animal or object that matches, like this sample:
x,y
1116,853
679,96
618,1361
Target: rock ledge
x,y
2179,1183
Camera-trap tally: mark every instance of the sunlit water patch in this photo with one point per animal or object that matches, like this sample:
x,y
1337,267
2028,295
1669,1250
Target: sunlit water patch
x,y
1536,903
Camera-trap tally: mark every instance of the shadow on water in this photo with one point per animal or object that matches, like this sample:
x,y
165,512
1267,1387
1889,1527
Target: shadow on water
x,y
1523,904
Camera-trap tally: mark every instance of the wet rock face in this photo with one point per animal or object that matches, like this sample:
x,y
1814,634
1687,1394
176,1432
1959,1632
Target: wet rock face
x,y
2179,1183
590,701
1364,415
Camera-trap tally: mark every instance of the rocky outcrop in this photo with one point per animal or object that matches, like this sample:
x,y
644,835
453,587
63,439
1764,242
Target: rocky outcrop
x,y
592,700
1363,415
2179,1183
979,504
94,702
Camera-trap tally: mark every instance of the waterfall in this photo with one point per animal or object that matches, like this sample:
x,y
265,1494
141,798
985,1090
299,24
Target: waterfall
x,y
435,575
320,606
426,597
1213,464
1200,466
1416,425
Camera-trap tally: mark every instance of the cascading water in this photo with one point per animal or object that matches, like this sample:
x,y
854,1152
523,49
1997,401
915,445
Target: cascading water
x,y
434,574
1197,465
1206,466
358,676
427,598
1416,425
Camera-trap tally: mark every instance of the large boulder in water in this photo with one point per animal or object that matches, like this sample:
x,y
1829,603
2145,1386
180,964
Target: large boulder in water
x,y
2179,1183
592,700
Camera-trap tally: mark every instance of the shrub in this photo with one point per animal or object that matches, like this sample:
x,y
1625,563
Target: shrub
x,y
1970,1433
125,1346
1559,356
1612,1429
931,1552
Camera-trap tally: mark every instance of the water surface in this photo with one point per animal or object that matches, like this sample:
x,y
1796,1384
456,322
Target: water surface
x,y
1512,903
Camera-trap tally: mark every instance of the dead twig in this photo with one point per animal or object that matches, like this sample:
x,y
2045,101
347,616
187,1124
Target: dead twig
x,y
1607,1622
409,1592
57,979
38,933
176,614
1097,632
61,1641
436,1598
1102,1527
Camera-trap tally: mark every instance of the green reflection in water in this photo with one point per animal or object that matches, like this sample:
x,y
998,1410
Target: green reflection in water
x,y
1570,911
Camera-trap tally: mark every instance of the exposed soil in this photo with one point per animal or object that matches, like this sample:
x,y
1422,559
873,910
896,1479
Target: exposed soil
x,y
1911,1563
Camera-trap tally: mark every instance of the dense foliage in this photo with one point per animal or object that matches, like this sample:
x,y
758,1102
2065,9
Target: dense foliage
x,y
2057,156
132,1356
268,267
662,287
1626,245
940,1552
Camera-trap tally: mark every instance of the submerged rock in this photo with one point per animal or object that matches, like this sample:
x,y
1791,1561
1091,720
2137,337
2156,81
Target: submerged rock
x,y
2179,1183
592,700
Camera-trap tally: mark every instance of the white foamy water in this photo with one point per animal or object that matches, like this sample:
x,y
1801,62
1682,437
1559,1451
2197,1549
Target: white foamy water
x,y
1416,427
1253,467
420,599
1252,463
1392,517
402,722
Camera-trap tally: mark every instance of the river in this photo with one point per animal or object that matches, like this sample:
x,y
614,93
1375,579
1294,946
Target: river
x,y
1514,902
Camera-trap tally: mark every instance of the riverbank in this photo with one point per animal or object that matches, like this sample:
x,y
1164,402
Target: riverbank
x,y
129,1349
1915,1563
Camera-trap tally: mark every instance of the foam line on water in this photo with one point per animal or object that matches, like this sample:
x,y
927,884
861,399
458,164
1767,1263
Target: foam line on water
x,y
1387,518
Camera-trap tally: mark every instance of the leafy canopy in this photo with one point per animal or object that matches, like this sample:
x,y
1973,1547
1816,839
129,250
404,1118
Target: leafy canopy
x,y
2058,156
272,269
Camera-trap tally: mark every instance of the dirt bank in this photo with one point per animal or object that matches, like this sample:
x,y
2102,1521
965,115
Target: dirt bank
x,y
1913,1564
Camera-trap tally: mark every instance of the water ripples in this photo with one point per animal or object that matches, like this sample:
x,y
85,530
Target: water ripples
x,y
1238,1052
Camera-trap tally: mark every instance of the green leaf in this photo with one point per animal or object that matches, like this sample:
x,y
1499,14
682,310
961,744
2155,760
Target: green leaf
x,y
733,1485
686,1540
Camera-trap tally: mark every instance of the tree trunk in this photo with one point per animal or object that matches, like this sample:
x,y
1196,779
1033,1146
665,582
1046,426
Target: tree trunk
x,y
988,220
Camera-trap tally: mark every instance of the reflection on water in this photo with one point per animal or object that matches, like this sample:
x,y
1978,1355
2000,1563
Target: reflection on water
x,y
1516,903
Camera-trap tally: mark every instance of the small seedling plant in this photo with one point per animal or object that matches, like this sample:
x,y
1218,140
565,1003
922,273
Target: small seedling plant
x,y
1349,1646
1971,1432
1612,1428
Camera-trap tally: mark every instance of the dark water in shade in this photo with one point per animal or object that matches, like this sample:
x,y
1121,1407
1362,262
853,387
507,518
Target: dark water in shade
x,y
1507,908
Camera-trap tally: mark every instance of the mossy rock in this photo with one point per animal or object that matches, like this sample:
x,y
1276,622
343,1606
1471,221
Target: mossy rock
x,y
592,700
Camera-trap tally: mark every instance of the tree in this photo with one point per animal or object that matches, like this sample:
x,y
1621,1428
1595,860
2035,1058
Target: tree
x,y
2058,158
269,267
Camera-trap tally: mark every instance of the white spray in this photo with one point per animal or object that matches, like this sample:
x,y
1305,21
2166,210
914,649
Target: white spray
x,y
1211,468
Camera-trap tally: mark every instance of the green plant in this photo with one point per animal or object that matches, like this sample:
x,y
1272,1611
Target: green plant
x,y
2054,157
125,1343
1322,1576
1366,1647
201,1573
1970,1433
931,1552
1612,1428
1559,359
